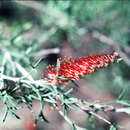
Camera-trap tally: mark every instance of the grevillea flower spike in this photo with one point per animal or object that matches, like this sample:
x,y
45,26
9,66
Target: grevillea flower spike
x,y
69,70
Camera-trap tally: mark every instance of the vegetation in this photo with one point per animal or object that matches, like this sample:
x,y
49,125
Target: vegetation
x,y
34,34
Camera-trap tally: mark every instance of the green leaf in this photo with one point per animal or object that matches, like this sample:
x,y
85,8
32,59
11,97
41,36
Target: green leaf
x,y
65,110
33,97
26,85
112,127
121,95
37,63
61,97
43,117
55,89
50,101
4,99
41,103
15,89
109,103
47,94
38,94
69,101
13,114
68,92
11,101
63,87
51,88
72,108
91,120
16,108
5,115
73,127
125,110
123,102
42,88
36,118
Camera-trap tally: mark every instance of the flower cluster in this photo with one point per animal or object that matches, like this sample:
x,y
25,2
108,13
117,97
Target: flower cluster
x,y
74,69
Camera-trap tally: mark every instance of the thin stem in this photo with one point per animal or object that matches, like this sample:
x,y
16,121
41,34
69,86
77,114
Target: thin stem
x,y
67,118
89,111
16,79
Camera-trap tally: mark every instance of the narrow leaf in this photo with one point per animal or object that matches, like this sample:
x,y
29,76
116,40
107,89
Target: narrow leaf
x,y
73,127
13,114
36,64
72,108
5,115
50,101
43,117
123,102
69,91
121,95
112,127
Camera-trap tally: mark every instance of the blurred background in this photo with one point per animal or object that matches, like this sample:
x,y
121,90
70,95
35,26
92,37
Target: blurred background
x,y
30,30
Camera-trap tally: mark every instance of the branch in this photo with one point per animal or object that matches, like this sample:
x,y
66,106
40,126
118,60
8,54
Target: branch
x,y
7,57
31,4
86,107
101,37
86,110
44,52
20,80
67,118
24,72
90,108
41,83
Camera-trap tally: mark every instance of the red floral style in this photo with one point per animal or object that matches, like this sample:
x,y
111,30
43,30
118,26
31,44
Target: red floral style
x,y
77,68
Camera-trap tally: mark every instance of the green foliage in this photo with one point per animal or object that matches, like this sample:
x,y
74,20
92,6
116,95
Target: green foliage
x,y
112,128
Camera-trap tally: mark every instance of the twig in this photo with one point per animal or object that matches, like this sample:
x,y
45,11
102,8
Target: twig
x,y
86,107
104,38
43,53
101,37
2,70
31,4
38,82
125,110
67,118
8,57
89,108
24,72
16,80
90,111
3,63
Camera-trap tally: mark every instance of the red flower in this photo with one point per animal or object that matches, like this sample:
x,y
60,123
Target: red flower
x,y
75,69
